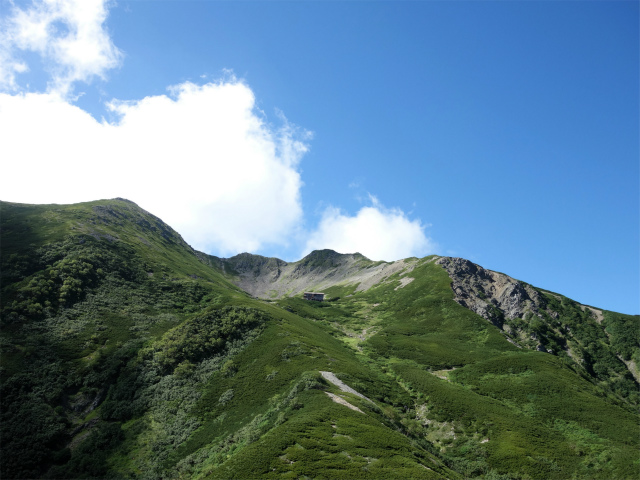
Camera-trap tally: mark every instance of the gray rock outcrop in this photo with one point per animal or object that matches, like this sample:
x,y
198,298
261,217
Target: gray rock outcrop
x,y
492,295
272,278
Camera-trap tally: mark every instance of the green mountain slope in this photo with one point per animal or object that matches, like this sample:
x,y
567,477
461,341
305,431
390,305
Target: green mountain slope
x,y
127,354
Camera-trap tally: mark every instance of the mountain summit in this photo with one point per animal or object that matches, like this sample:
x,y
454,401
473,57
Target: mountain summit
x,y
271,278
128,354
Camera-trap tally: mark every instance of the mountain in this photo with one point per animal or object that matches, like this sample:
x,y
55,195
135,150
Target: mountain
x,y
127,354
270,278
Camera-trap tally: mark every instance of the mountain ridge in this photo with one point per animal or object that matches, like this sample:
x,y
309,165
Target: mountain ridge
x,y
497,297
126,353
272,278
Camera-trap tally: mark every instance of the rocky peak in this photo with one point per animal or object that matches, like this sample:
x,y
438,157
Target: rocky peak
x,y
492,295
255,265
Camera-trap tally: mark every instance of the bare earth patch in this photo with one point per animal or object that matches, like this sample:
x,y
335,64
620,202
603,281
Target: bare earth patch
x,y
342,401
632,367
595,313
330,377
443,374
404,281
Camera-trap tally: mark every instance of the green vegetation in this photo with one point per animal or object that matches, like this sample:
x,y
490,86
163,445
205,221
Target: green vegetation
x,y
598,347
126,354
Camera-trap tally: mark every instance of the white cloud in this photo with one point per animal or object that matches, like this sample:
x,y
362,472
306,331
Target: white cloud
x,y
70,37
377,232
201,158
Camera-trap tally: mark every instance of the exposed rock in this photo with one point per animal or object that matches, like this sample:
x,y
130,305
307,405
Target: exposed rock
x,y
492,295
342,401
330,377
404,281
96,401
106,236
595,313
85,426
632,367
265,277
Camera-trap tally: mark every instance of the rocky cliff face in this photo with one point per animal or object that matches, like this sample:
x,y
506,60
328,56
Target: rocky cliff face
x,y
492,295
254,266
529,318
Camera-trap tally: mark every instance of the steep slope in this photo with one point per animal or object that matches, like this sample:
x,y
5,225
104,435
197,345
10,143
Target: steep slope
x,y
123,354
600,343
126,354
83,288
486,404
604,344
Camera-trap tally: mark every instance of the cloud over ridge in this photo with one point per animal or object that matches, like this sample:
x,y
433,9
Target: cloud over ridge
x,y
203,157
377,232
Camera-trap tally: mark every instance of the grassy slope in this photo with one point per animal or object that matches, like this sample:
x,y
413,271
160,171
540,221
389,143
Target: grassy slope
x,y
195,379
537,414
269,398
127,336
83,288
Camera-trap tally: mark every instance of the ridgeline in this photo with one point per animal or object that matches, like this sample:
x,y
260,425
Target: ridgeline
x,y
125,353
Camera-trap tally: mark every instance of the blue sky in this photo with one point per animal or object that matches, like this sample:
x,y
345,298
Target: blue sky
x,y
502,132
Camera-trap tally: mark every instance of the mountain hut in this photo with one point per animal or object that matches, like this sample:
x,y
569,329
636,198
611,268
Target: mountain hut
x,y
318,297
